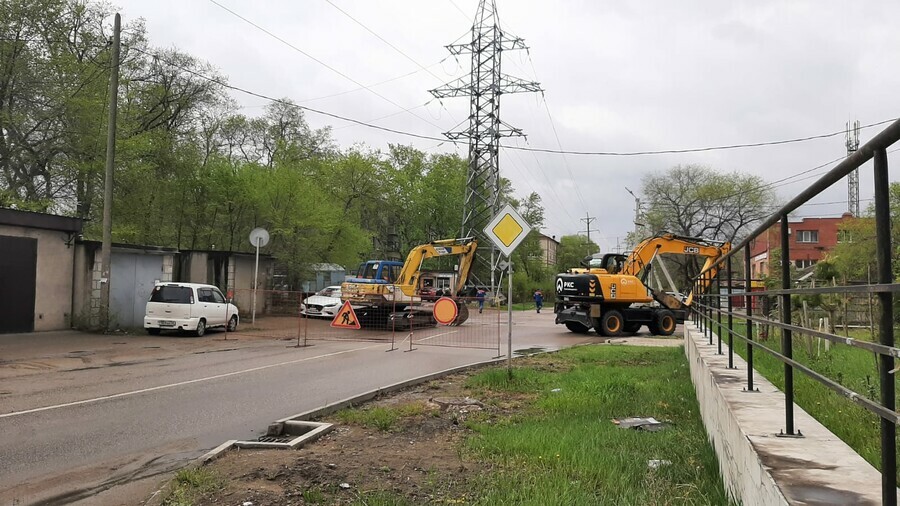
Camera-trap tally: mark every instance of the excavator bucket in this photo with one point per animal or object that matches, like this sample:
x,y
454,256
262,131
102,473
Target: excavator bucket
x,y
463,313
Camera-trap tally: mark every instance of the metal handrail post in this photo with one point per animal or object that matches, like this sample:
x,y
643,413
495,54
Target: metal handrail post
x,y
719,309
748,301
709,306
886,328
730,314
786,342
707,282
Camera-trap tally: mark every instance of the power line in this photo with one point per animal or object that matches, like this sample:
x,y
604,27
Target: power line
x,y
559,200
469,19
379,83
392,46
320,62
291,104
382,39
503,146
703,149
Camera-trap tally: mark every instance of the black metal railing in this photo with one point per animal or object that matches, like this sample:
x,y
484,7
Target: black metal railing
x,y
708,310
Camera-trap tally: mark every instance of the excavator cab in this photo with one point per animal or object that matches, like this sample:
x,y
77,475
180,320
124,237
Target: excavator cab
x,y
613,262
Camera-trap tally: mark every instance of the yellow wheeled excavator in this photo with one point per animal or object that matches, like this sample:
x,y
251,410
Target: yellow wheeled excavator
x,y
384,293
613,298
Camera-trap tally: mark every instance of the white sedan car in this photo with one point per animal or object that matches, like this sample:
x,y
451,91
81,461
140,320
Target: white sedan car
x,y
325,303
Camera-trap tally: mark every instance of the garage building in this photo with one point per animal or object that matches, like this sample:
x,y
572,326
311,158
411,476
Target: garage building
x,y
36,270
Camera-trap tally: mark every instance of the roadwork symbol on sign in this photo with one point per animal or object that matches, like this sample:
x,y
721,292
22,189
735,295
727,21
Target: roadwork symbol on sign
x,y
346,318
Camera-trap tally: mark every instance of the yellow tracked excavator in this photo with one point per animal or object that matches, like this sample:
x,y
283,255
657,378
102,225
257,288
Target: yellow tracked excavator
x,y
385,294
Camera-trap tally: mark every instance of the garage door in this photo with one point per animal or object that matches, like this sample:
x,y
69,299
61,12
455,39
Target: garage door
x,y
133,278
18,273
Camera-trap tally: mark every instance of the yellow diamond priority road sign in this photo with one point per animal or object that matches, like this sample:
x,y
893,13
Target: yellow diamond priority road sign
x,y
507,230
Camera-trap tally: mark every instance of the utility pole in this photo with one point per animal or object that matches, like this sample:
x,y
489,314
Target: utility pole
x,y
484,86
106,247
852,144
637,211
587,224
638,220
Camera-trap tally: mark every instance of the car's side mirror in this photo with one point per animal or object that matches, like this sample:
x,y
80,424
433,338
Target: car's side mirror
x,y
586,261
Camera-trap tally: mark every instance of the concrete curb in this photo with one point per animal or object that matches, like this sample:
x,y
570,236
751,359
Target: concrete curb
x,y
350,401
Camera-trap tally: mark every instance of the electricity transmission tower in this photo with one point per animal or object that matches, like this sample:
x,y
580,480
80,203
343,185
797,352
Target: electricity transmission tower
x,y
484,86
853,178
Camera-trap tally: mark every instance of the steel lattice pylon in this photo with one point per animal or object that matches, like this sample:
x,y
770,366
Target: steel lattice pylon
x,y
853,178
484,86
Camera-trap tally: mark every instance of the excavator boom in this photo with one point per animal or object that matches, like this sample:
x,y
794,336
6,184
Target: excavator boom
x,y
408,279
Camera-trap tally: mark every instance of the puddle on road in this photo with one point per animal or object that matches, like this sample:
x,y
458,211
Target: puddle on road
x,y
529,351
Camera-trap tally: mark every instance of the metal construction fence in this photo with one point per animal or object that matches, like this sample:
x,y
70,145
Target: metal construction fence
x,y
298,316
713,311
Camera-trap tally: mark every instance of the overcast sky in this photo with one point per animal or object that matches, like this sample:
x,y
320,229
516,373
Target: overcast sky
x,y
619,76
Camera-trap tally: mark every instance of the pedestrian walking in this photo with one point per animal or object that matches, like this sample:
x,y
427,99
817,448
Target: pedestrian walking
x,y
479,296
538,300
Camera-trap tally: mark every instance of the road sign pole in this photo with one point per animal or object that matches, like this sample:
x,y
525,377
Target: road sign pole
x,y
259,238
509,300
255,283
507,230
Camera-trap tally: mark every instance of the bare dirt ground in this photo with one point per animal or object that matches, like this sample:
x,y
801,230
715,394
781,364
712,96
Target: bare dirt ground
x,y
418,458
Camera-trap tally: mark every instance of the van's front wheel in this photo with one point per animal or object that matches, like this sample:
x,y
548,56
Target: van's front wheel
x,y
201,328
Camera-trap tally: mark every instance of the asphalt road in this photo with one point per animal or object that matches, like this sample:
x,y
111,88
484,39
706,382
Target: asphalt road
x,y
81,416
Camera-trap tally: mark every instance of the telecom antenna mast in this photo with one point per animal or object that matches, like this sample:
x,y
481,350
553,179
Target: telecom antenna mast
x,y
484,86
853,177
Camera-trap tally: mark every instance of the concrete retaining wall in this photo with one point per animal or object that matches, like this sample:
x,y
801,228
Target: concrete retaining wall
x,y
758,467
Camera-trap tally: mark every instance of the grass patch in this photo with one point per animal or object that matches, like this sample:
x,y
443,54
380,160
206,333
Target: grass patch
x,y
563,449
853,368
192,483
379,417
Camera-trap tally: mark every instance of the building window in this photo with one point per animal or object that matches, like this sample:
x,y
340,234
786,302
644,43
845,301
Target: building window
x,y
807,236
844,236
802,264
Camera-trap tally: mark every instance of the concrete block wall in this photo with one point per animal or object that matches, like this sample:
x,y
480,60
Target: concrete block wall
x,y
94,297
757,466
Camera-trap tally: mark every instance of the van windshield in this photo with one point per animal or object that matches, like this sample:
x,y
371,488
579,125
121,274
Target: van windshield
x,y
172,294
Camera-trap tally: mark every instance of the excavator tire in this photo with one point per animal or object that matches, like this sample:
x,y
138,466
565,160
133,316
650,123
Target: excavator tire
x,y
665,323
578,328
611,323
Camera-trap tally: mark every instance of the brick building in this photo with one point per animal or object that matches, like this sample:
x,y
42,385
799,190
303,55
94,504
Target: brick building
x,y
549,246
809,240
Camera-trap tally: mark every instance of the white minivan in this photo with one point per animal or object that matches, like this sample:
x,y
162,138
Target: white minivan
x,y
189,307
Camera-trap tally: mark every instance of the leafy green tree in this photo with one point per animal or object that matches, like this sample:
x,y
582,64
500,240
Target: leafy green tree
x,y
572,250
853,258
698,201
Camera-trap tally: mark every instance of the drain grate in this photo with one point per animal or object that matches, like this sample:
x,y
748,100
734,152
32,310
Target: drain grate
x,y
275,439
287,434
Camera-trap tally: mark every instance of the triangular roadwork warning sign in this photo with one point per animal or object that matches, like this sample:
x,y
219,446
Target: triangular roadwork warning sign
x,y
346,318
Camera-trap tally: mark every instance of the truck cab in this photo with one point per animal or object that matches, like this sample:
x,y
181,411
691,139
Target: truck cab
x,y
377,272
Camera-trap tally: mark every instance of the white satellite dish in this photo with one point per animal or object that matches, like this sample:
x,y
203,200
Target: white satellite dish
x,y
259,237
